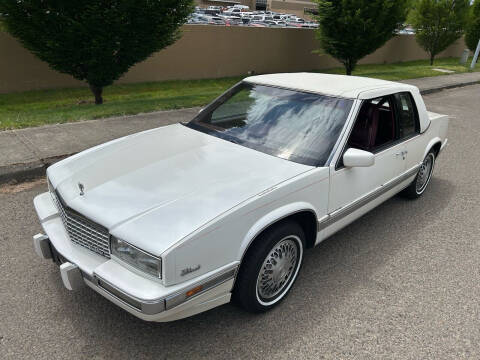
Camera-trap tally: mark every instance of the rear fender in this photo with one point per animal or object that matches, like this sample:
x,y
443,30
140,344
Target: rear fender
x,y
430,145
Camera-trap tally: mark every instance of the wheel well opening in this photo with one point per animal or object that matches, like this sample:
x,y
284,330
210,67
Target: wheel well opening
x,y
307,220
436,148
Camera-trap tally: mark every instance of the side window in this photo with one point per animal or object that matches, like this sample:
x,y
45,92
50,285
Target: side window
x,y
375,125
406,114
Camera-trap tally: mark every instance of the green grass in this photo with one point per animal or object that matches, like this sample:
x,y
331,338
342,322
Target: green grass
x,y
406,70
35,108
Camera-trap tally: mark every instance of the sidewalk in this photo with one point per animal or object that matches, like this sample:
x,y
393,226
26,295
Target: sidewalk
x,y
438,83
26,153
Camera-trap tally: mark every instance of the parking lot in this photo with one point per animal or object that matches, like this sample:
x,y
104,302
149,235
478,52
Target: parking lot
x,y
239,15
401,282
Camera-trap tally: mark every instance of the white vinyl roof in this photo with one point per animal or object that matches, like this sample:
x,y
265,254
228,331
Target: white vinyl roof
x,y
351,87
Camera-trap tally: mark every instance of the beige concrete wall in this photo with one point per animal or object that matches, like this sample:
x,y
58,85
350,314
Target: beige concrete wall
x,y
208,52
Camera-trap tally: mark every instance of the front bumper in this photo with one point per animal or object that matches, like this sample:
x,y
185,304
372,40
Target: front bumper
x,y
145,298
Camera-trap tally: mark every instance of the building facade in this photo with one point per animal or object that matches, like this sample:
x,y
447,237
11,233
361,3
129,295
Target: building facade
x,y
301,8
205,3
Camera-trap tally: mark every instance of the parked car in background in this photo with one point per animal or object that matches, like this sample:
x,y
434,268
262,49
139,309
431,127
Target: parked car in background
x,y
177,220
295,20
232,11
238,15
213,10
216,20
294,25
232,20
309,25
270,23
246,14
241,7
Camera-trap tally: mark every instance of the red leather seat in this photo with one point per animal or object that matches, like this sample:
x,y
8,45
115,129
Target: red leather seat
x,y
365,130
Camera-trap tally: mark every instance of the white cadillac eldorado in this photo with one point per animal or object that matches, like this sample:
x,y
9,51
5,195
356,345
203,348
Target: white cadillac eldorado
x,y
177,220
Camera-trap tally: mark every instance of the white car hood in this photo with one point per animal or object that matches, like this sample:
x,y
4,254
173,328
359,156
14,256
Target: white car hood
x,y
156,187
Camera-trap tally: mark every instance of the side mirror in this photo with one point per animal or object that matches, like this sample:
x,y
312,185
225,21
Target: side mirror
x,y
358,158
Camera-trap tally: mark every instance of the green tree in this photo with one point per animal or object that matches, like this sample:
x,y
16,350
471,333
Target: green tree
x,y
94,40
352,29
472,31
438,23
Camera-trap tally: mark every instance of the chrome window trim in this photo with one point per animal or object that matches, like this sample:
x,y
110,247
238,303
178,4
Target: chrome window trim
x,y
348,209
346,137
387,146
352,116
331,155
299,90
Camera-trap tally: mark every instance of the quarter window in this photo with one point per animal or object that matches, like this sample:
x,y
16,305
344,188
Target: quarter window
x,y
406,114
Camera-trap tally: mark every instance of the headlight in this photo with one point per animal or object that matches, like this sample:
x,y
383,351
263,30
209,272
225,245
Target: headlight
x,y
136,257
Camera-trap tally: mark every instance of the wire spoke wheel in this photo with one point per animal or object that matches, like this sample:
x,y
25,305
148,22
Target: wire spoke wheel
x,y
278,268
270,267
424,174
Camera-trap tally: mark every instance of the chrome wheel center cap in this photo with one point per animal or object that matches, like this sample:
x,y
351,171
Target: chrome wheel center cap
x,y
277,269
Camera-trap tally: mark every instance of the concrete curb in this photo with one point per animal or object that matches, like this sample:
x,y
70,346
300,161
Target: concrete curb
x,y
446,87
35,169
27,171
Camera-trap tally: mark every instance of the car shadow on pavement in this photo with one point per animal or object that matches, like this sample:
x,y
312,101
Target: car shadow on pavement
x,y
344,270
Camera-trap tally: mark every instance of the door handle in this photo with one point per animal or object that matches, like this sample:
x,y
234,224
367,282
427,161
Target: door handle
x,y
402,154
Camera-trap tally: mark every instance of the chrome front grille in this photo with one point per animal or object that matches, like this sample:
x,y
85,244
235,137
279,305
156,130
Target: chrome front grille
x,y
82,231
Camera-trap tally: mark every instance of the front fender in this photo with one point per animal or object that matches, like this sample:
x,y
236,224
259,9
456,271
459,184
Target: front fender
x,y
271,218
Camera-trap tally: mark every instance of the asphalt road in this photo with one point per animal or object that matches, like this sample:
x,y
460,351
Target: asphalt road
x,y
402,282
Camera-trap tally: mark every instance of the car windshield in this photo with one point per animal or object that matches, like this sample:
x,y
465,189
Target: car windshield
x,y
296,126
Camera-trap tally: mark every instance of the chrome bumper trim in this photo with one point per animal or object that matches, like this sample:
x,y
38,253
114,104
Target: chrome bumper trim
x,y
170,301
181,296
145,307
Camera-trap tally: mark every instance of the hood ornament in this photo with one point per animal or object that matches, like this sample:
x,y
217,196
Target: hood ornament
x,y
81,187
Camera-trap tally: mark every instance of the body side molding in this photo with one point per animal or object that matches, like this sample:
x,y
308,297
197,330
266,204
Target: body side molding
x,y
340,213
